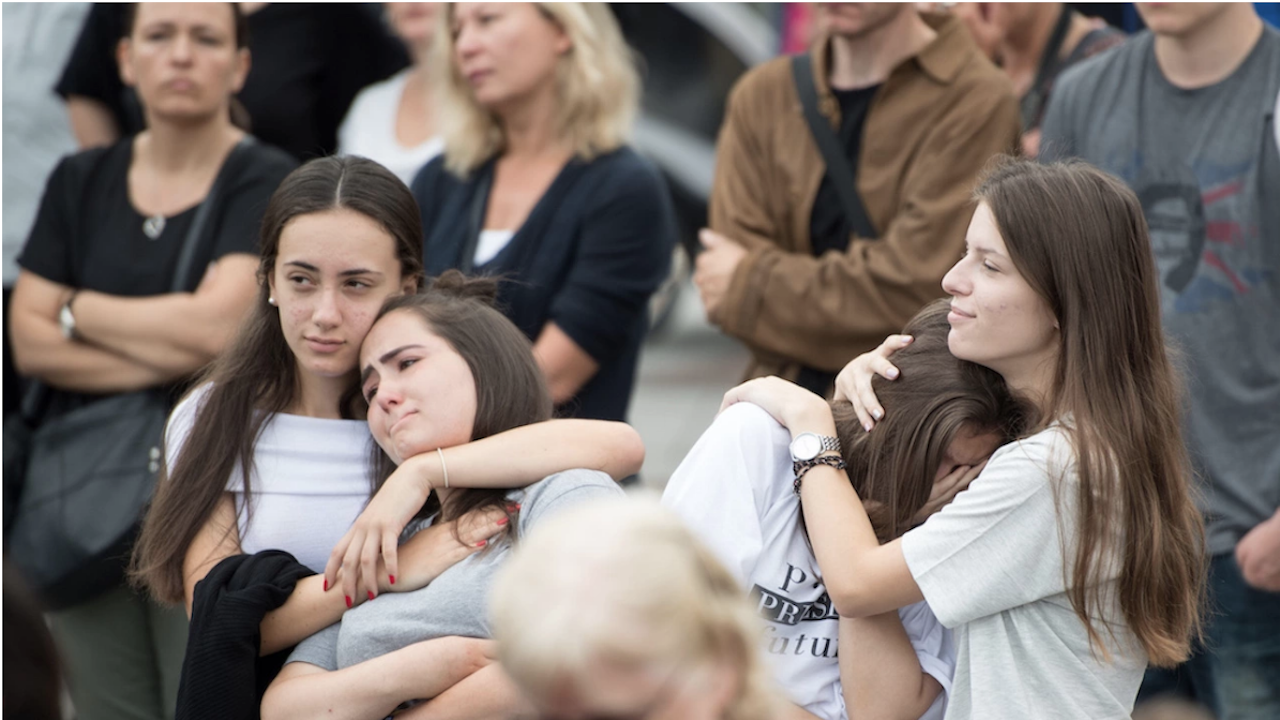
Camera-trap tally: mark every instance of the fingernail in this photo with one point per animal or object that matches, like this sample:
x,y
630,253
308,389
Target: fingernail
x,y
482,543
393,579
907,339
867,427
326,584
877,414
503,521
348,597
370,594
892,372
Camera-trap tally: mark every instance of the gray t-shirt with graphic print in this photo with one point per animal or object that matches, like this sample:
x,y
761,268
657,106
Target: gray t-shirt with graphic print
x,y
456,602
1206,167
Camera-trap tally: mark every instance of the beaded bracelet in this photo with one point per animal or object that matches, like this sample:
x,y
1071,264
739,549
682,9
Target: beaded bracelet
x,y
803,466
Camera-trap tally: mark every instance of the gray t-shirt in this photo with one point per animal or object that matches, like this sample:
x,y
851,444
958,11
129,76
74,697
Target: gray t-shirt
x,y
993,566
456,602
1206,167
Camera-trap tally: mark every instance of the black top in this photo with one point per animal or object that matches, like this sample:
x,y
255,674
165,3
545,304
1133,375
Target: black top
x,y
88,235
223,677
829,229
592,251
308,62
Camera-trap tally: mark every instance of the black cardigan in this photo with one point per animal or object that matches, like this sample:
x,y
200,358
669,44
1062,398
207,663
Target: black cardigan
x,y
223,678
591,253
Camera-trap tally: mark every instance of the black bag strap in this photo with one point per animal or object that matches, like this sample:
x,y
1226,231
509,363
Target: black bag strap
x,y
838,167
186,256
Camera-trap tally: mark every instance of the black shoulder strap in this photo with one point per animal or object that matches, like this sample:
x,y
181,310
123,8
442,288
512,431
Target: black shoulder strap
x,y
838,168
186,256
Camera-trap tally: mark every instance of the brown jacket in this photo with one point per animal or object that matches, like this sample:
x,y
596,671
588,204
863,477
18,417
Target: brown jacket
x,y
931,128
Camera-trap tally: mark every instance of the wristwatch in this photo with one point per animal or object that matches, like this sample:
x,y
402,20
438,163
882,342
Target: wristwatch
x,y
807,446
67,321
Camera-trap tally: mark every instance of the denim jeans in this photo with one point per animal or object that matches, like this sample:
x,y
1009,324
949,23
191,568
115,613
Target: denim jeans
x,y
1236,673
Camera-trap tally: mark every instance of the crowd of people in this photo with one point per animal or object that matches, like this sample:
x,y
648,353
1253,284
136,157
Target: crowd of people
x,y
363,290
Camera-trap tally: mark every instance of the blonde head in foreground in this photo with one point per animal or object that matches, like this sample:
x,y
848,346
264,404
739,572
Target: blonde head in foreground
x,y
613,608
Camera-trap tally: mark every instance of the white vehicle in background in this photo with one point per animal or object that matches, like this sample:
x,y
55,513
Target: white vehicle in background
x,y
691,55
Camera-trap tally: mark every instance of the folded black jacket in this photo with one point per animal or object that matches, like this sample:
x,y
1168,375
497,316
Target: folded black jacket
x,y
223,678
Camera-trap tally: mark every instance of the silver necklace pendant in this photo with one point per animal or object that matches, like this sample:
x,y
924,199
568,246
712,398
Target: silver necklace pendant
x,y
153,226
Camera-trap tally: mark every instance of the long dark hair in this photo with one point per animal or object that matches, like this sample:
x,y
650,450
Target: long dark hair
x,y
257,376
937,396
510,389
1079,238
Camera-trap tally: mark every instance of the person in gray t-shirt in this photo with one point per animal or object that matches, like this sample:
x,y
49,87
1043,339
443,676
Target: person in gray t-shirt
x,y
1185,115
439,369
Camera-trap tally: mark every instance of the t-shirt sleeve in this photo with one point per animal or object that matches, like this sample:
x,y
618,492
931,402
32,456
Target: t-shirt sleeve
x,y
722,487
998,545
181,422
934,649
320,649
623,256
246,201
562,490
48,251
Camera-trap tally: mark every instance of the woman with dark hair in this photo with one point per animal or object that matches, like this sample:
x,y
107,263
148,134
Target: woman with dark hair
x,y
1077,557
736,490
272,451
94,313
440,369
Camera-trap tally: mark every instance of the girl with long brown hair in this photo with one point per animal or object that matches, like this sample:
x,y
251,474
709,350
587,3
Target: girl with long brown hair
x,y
273,451
1077,556
439,369
735,490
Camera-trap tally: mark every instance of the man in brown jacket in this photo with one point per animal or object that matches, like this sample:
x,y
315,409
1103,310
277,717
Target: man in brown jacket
x,y
920,111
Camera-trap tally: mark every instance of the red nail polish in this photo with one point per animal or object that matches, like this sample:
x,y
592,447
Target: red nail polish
x,y
370,594
348,597
393,579
503,521
482,543
326,585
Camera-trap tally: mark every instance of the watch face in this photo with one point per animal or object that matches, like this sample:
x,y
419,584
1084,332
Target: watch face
x,y
806,446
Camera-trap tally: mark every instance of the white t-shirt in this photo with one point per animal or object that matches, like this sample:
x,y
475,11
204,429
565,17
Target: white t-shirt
x,y
369,130
991,566
735,491
310,480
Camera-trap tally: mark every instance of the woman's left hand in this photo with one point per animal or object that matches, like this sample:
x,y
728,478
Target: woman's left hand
x,y
788,403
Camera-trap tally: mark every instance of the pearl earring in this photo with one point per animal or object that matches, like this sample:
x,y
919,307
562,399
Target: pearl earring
x,y
271,301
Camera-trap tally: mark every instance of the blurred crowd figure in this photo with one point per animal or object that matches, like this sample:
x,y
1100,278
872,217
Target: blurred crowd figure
x,y
843,187
1184,114
1034,43
309,60
785,263
538,186
394,121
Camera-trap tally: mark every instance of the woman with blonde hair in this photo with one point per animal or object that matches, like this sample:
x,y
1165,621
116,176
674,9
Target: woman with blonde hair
x,y
538,185
615,609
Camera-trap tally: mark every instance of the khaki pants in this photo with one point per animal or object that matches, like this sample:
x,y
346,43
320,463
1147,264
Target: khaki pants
x,y
123,656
